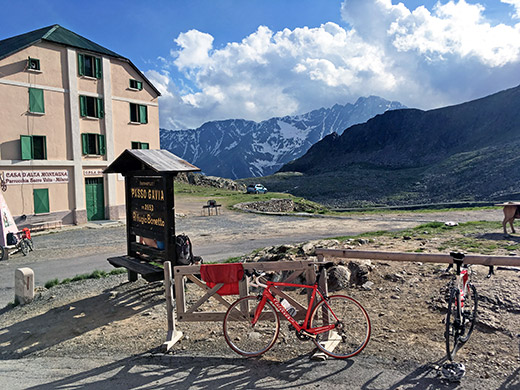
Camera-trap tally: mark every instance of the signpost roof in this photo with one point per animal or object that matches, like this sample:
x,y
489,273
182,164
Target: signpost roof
x,y
158,160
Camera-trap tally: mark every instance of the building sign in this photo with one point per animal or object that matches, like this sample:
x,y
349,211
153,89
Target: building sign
x,y
147,206
92,172
36,177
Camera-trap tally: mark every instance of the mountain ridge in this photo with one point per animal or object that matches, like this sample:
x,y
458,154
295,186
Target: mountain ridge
x,y
466,151
238,148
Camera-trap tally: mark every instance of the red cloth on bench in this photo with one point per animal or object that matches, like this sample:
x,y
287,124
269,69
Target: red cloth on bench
x,y
229,274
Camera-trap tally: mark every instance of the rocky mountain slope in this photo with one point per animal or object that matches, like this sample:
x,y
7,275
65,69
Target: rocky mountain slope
x,y
463,152
238,148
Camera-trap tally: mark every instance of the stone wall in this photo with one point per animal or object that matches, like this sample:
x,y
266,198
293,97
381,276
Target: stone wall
x,y
269,206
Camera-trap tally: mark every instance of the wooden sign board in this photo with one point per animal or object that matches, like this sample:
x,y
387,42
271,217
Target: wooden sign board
x,y
147,207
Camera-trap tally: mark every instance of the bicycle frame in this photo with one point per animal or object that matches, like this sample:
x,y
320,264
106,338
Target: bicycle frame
x,y
461,284
268,296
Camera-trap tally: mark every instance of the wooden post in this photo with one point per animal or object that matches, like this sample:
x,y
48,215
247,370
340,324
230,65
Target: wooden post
x,y
173,335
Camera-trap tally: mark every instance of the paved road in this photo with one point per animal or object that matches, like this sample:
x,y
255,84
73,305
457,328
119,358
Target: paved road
x,y
185,372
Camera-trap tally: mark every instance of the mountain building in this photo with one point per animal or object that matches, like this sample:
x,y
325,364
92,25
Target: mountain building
x,y
69,108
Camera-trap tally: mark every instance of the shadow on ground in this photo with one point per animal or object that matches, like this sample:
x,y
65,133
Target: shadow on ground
x,y
73,319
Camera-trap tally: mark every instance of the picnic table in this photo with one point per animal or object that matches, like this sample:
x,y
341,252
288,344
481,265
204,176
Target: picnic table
x,y
211,205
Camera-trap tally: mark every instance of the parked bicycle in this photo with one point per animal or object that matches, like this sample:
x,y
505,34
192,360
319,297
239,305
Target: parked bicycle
x,y
19,242
337,324
462,307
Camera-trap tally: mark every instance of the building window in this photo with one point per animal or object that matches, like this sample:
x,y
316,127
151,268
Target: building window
x,y
36,103
33,147
140,145
90,66
138,113
41,200
134,84
93,144
33,64
91,107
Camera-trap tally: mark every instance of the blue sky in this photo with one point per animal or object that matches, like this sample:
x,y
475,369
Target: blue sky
x,y
254,59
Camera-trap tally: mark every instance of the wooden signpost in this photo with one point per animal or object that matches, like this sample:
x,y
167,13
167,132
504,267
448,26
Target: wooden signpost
x,y
150,210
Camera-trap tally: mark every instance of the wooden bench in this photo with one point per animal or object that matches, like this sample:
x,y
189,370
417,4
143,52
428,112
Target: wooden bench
x,y
211,205
149,272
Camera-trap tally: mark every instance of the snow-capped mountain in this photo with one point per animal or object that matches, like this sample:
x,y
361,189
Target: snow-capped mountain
x,y
238,148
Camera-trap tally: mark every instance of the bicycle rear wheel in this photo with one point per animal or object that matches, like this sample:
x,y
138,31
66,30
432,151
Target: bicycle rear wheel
x,y
29,243
469,313
23,247
245,338
352,330
453,328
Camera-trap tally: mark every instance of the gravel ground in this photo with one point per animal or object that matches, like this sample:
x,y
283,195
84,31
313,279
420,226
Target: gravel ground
x,y
112,319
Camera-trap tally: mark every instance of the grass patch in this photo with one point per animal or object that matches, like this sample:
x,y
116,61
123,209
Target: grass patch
x,y
97,274
482,237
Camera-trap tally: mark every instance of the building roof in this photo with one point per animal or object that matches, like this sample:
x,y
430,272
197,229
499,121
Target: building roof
x,y
158,160
60,35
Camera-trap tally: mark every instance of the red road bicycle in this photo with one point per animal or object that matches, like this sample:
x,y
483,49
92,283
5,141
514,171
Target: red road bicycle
x,y
337,324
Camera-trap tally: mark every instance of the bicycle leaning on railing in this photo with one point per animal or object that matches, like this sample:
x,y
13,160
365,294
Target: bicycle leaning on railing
x,y
337,324
462,306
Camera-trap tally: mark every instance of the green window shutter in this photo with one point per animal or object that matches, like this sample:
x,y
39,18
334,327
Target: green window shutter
x,y
143,117
81,64
139,85
41,200
26,147
145,145
98,68
84,143
100,108
83,105
36,103
102,144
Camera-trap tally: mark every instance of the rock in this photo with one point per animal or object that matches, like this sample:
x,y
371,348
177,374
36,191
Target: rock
x,y
338,278
394,277
210,181
308,249
367,286
359,271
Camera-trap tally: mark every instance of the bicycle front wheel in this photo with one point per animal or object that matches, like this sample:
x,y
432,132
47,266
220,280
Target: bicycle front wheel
x,y
352,326
452,333
246,338
469,313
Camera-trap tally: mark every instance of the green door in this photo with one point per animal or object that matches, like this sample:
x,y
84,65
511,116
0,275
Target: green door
x,y
95,198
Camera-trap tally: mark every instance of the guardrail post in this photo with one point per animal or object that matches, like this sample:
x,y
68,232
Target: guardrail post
x,y
23,285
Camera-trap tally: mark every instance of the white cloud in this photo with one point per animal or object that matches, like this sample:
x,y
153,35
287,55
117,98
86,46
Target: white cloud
x,y
514,3
420,57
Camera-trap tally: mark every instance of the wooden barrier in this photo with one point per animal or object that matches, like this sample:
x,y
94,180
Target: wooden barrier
x,y
173,335
190,272
417,257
